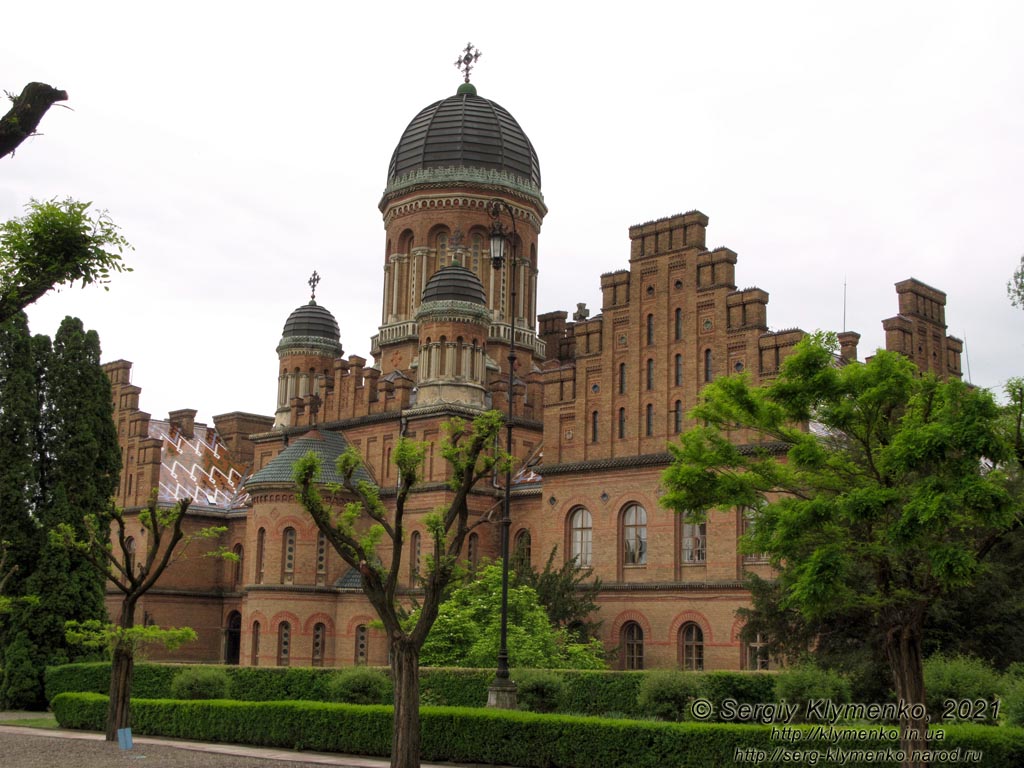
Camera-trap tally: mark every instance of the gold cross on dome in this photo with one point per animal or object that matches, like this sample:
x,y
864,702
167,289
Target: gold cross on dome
x,y
468,59
314,281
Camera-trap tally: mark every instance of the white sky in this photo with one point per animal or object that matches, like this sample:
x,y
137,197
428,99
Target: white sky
x,y
241,145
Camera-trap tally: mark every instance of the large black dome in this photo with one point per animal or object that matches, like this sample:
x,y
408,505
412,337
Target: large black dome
x,y
454,283
311,320
465,130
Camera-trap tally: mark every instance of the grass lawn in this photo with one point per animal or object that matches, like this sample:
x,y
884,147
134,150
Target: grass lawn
x,y
43,721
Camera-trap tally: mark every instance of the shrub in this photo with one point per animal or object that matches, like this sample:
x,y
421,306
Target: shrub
x,y
960,679
360,685
668,695
200,683
1013,703
454,687
744,687
539,691
798,685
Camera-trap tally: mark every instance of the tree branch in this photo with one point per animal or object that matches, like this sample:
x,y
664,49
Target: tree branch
x,y
24,116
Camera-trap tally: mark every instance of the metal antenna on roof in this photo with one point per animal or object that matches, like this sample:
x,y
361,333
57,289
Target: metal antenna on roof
x,y
314,281
468,59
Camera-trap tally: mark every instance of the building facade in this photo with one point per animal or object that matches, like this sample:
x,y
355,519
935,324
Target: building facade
x,y
595,402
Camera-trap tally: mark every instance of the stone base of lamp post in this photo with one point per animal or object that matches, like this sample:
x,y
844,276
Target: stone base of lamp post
x,y
502,695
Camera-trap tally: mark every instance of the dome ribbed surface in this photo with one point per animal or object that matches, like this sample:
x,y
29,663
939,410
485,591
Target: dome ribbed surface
x,y
454,283
469,131
311,320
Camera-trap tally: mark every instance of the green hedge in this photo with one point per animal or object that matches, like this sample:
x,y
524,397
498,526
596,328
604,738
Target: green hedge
x,y
584,692
493,736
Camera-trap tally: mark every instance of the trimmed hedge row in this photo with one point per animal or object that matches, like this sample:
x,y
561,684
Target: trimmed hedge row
x,y
497,737
584,692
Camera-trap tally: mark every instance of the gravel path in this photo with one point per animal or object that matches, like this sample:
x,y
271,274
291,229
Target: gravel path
x,y
20,748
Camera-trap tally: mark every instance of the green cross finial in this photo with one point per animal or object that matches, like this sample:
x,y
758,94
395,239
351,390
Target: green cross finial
x,y
313,281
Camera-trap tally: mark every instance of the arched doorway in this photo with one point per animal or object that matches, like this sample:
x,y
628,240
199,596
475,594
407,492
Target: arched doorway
x,y
233,638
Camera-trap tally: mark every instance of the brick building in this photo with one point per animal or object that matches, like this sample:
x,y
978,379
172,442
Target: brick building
x,y
595,399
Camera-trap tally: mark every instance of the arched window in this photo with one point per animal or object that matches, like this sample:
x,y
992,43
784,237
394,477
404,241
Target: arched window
x,y
694,542
677,415
649,418
522,549
415,553
691,647
321,558
459,347
679,324
442,363
679,371
581,530
288,556
129,546
319,635
473,551
650,374
238,572
747,531
707,365
632,640
755,654
622,378
284,643
362,644
442,250
634,535
593,427
255,643
477,249
650,330
261,541
622,423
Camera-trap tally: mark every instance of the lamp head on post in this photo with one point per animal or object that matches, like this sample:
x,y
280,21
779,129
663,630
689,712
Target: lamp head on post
x,y
500,236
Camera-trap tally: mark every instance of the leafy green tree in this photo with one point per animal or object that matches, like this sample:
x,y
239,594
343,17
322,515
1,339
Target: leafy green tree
x,y
567,593
466,631
27,109
890,500
133,575
57,242
1015,286
358,528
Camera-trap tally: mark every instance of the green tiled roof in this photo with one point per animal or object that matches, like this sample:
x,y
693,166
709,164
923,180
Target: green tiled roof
x,y
328,446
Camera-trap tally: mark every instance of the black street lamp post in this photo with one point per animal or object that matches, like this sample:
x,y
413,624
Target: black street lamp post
x,y
502,693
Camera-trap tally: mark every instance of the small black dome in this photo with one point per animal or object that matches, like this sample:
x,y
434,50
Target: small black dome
x,y
465,130
311,320
454,283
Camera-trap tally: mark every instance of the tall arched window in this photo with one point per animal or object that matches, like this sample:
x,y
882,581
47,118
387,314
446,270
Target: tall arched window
x,y
581,531
622,423
677,416
522,549
650,330
442,363
255,643
622,378
755,654
288,556
284,643
649,419
632,640
593,427
679,324
650,374
707,365
362,644
634,535
261,541
473,551
694,542
442,250
679,371
321,558
477,249
239,573
319,636
691,647
415,552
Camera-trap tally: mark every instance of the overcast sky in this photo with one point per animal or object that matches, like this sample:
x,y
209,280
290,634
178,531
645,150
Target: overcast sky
x,y
240,146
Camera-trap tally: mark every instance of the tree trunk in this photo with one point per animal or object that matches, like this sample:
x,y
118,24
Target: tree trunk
x,y
26,112
903,650
122,670
405,671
